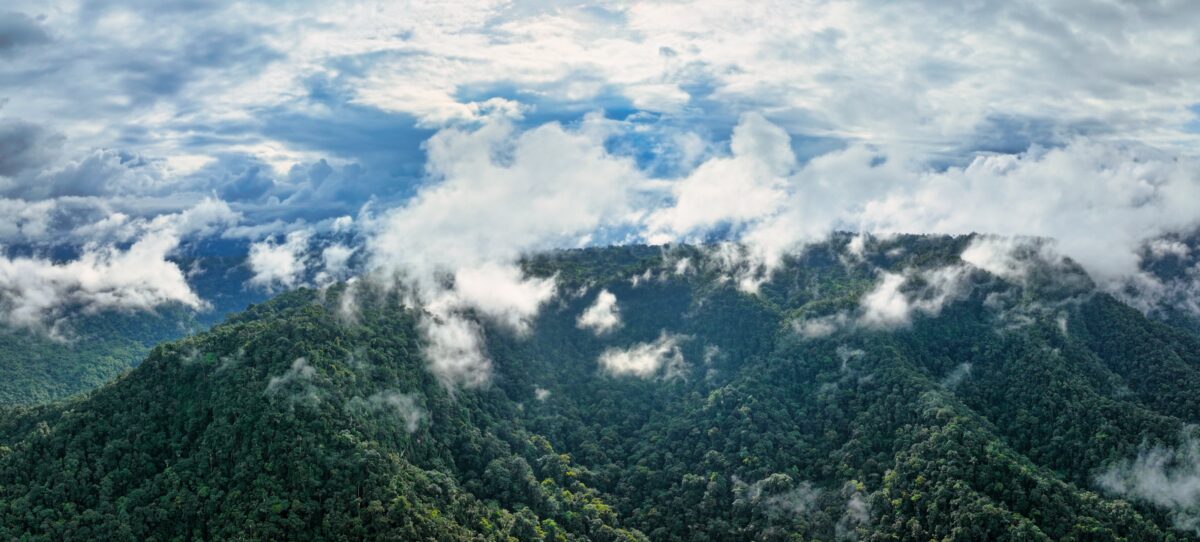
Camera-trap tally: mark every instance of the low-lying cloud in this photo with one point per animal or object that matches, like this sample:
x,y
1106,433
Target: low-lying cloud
x,y
778,494
1165,477
894,300
296,385
645,360
891,304
404,407
279,265
602,316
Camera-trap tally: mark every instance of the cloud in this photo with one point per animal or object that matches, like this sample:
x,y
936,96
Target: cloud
x,y
892,303
551,127
957,375
778,494
1163,248
494,195
36,292
821,326
296,385
204,219
454,348
1099,201
894,300
24,145
499,292
845,354
279,264
1010,258
857,514
341,112
403,406
455,342
746,186
335,261
300,371
18,30
645,360
886,305
1165,477
602,316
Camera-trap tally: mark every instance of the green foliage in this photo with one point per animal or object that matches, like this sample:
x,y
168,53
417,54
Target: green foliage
x,y
88,351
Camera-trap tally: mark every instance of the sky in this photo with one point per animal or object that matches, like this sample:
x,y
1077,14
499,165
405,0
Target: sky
x,y
454,137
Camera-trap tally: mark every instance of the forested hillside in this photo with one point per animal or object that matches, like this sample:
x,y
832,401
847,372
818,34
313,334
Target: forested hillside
x,y
84,350
866,390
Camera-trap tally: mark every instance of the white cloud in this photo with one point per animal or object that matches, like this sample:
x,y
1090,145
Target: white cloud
x,y
500,293
404,406
455,351
296,385
495,194
999,256
957,375
744,187
602,316
36,292
335,261
777,494
894,300
1161,248
497,292
858,513
683,266
279,264
886,305
905,108
860,70
645,360
1165,477
822,326
299,371
1100,202
890,305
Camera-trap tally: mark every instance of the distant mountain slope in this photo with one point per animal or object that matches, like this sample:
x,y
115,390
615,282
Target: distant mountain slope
x,y
87,350
880,393
36,368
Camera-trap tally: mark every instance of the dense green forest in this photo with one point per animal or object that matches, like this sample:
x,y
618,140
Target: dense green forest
x,y
84,352
1005,409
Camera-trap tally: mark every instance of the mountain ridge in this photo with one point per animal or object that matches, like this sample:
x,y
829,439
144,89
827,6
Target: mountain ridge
x,y
992,417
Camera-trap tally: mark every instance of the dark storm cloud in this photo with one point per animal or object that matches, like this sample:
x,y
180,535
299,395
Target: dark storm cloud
x,y
23,146
18,30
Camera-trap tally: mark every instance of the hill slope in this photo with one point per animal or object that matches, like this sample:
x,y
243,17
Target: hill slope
x,y
890,393
87,350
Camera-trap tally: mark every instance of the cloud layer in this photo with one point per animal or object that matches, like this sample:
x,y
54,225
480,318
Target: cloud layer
x,y
37,292
461,137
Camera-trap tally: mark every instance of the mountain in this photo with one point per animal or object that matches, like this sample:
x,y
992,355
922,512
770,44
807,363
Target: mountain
x,y
83,350
874,390
1173,263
